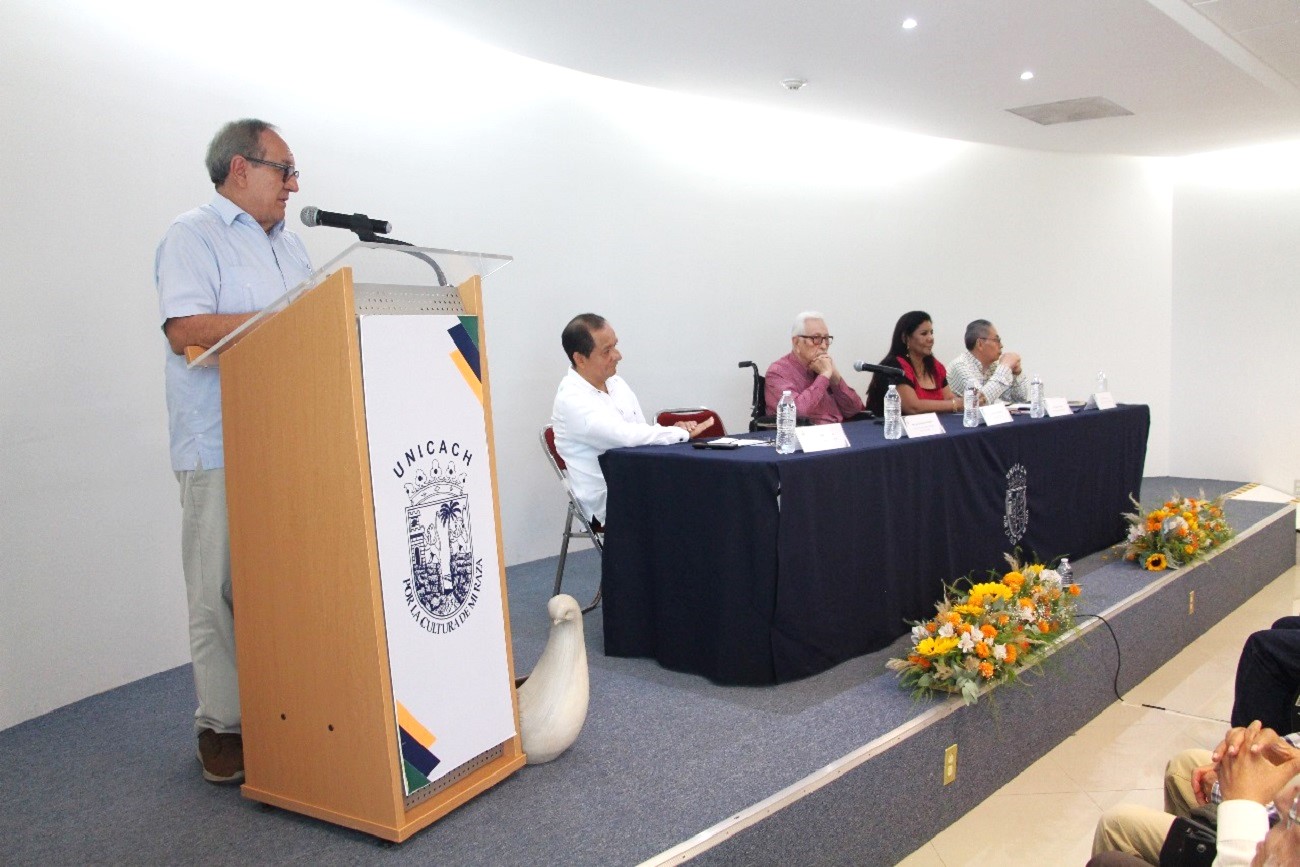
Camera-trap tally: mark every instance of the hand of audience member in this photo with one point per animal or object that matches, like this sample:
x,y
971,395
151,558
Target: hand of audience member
x,y
1276,748
1249,774
1282,843
695,428
1012,360
1203,779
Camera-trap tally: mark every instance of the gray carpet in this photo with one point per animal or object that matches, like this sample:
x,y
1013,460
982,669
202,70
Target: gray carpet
x,y
113,778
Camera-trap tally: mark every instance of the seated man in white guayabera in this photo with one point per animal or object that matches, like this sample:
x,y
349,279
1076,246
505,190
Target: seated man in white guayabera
x,y
595,410
995,373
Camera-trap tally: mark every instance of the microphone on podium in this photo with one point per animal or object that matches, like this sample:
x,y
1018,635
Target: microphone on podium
x,y
359,223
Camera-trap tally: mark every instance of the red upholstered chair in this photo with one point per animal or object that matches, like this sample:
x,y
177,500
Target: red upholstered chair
x,y
667,417
589,529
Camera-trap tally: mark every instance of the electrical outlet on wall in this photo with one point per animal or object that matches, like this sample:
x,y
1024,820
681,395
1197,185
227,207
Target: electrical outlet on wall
x,y
950,764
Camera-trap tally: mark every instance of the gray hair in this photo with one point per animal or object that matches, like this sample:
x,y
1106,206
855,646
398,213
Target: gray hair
x,y
977,329
801,322
237,138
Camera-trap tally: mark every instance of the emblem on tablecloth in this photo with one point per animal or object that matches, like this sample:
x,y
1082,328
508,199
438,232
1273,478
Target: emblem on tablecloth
x,y
1016,518
444,581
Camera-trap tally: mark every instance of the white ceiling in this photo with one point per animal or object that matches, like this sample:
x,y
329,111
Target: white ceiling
x,y
1198,75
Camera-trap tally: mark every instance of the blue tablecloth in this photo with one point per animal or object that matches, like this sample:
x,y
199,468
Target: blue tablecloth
x,y
750,567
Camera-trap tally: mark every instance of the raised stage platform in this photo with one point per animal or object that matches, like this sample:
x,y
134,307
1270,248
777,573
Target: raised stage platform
x,y
840,768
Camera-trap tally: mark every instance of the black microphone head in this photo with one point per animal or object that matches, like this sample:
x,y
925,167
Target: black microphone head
x,y
308,215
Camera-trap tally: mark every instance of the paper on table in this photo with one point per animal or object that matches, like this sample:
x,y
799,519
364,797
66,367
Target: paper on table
x,y
732,441
995,414
1057,406
821,437
924,425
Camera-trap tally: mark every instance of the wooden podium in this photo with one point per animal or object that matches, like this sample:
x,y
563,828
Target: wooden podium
x,y
325,733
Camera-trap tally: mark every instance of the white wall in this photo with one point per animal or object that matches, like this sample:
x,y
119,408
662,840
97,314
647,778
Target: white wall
x,y
1236,319
699,229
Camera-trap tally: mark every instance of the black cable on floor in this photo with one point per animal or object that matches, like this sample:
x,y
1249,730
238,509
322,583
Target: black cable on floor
x,y
1119,661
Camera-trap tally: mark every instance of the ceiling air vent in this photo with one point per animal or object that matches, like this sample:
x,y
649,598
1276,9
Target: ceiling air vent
x,y
1070,110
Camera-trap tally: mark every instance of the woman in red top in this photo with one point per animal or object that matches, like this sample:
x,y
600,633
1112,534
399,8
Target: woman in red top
x,y
912,349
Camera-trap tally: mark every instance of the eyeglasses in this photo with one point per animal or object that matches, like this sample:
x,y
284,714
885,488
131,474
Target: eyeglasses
x,y
289,171
997,340
818,339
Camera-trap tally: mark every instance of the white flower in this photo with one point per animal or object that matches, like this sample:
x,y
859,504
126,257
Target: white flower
x,y
966,643
919,631
999,652
946,631
1050,577
1029,615
1135,532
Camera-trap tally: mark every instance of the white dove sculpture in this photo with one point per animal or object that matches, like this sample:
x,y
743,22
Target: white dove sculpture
x,y
553,699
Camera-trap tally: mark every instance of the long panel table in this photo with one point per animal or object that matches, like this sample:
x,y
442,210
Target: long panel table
x,y
750,567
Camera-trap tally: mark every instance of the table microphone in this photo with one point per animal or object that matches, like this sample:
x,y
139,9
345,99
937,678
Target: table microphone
x,y
882,369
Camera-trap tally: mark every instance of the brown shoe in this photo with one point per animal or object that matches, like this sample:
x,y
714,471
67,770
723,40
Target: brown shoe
x,y
222,756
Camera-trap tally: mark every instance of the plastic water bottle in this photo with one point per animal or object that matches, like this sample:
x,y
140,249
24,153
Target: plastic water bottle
x,y
1101,382
1036,409
1066,571
970,414
785,440
893,414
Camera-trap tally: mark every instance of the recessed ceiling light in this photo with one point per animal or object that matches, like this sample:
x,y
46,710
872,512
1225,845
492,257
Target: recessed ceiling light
x,y
794,83
909,23
1026,75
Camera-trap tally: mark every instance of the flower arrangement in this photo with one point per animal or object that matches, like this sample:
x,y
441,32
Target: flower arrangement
x,y
1181,531
984,635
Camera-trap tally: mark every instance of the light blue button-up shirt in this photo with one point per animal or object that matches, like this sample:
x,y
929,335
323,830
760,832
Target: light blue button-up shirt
x,y
216,259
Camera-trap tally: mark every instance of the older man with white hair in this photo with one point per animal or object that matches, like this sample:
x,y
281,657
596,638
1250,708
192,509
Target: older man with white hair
x,y
809,373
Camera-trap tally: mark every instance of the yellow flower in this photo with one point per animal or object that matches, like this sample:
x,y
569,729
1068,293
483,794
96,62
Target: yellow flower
x,y
989,589
1156,562
971,610
935,646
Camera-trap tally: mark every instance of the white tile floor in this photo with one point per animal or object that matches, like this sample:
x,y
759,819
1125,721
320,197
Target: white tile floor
x,y
1046,815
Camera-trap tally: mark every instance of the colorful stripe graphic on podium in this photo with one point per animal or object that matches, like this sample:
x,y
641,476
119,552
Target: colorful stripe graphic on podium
x,y
465,336
418,760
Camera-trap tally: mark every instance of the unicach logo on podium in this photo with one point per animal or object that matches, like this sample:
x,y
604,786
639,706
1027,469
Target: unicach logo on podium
x,y
445,579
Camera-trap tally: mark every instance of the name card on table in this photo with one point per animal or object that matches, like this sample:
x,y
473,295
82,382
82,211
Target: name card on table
x,y
996,413
1057,406
821,437
924,425
1103,400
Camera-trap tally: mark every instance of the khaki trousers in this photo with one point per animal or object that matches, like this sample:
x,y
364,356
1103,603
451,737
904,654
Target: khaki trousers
x,y
1141,831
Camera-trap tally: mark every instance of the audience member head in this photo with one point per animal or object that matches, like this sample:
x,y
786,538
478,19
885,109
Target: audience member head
x,y
809,337
1281,846
983,342
592,348
912,329
252,166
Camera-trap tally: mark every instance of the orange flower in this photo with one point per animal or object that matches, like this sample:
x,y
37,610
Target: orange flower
x,y
917,659
1011,654
932,627
1013,580
982,650
1075,589
1044,626
986,670
1024,646
954,618
1003,619
988,631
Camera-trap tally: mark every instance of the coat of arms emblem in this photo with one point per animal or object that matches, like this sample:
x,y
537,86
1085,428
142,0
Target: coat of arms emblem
x,y
440,546
1016,518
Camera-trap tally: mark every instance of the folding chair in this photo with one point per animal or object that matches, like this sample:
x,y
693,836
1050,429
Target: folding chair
x,y
669,417
588,529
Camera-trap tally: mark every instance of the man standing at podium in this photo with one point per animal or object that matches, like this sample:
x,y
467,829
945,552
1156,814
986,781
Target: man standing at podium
x,y
217,266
